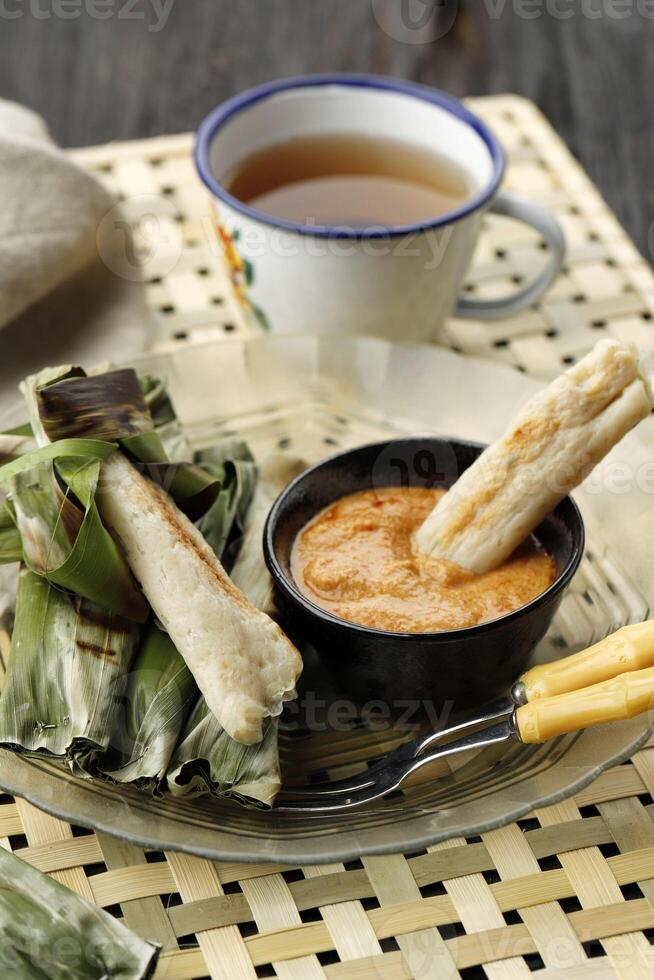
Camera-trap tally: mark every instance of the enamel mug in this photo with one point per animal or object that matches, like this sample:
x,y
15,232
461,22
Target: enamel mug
x,y
399,282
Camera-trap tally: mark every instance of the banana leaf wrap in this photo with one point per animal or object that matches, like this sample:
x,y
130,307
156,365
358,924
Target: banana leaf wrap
x,y
50,933
66,674
208,759
52,493
160,694
113,407
169,428
70,655
233,466
148,702
11,545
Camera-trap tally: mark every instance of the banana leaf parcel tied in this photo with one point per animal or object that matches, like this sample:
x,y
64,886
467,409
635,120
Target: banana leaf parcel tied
x,y
93,679
50,933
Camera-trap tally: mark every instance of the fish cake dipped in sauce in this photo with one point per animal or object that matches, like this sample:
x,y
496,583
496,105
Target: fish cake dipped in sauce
x,y
358,560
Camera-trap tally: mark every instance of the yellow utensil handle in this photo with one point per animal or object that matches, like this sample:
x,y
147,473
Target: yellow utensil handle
x,y
629,648
621,697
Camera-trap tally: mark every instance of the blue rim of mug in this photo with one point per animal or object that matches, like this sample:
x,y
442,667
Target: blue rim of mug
x,y
223,113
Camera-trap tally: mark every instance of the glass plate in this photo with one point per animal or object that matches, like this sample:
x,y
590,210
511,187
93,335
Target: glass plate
x,y
305,398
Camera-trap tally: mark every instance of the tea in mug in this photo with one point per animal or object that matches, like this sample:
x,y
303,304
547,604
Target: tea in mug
x,y
349,180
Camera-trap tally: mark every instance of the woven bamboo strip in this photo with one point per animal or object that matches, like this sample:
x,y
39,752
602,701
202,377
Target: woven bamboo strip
x,y
391,966
134,882
42,829
61,855
404,918
241,872
210,913
330,888
145,916
516,940
612,785
643,763
158,148
601,969
273,908
307,894
554,885
568,836
407,918
352,934
425,951
632,829
492,945
289,944
452,862
224,950
10,822
543,842
181,964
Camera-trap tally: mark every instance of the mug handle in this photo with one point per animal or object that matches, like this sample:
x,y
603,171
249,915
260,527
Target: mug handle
x,y
538,217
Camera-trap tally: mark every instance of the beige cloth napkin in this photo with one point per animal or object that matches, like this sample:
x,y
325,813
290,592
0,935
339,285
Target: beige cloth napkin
x,y
60,301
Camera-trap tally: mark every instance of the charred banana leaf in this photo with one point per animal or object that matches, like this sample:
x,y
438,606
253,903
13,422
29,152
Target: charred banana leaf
x,y
149,724
67,673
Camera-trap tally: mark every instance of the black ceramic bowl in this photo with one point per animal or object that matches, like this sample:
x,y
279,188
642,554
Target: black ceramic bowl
x,y
464,666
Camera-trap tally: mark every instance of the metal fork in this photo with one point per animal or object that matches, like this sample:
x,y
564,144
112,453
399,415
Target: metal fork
x,y
390,772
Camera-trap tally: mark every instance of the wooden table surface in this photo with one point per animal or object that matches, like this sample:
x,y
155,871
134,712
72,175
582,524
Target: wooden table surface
x,y
120,69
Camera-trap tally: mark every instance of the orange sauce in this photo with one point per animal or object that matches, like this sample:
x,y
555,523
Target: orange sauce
x,y
357,560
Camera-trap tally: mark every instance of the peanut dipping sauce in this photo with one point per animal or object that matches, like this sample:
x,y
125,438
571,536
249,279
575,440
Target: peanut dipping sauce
x,y
356,559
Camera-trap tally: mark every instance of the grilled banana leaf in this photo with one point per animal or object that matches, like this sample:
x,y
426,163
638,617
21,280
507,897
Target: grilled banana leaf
x,y
234,468
15,443
67,673
149,724
169,428
53,489
207,758
160,694
50,933
112,407
63,538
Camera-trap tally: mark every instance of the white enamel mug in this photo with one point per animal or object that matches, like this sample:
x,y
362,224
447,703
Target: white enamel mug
x,y
394,282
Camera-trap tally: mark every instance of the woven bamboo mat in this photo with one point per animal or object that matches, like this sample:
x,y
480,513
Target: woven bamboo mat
x,y
566,893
